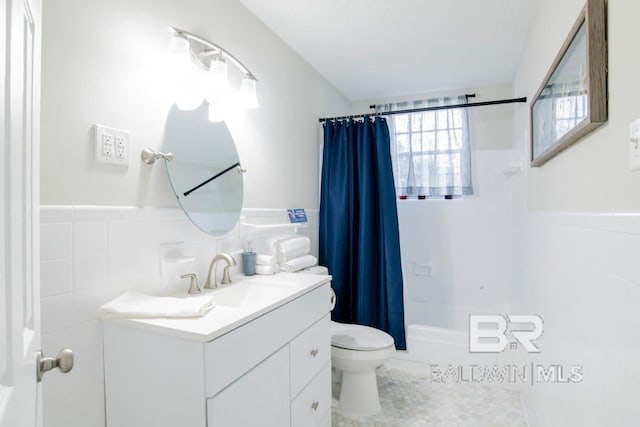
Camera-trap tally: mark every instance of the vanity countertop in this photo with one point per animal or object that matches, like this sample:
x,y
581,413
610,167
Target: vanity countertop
x,y
246,299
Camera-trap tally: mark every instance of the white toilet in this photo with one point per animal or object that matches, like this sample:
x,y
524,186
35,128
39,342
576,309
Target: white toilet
x,y
357,351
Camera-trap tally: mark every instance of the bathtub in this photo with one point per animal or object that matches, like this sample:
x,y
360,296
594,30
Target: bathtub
x,y
429,346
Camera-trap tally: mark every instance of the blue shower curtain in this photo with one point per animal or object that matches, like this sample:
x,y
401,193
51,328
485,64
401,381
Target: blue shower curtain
x,y
359,238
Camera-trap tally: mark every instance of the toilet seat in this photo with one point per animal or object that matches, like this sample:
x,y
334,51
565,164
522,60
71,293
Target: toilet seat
x,y
359,337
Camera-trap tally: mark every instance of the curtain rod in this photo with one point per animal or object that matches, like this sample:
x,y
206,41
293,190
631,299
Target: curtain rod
x,y
466,95
434,108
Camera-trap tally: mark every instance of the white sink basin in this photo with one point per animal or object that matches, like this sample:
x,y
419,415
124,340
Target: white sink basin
x,y
245,299
249,295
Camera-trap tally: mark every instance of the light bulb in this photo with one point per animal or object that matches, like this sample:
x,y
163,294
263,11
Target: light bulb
x,y
217,84
179,47
178,59
247,94
183,79
189,90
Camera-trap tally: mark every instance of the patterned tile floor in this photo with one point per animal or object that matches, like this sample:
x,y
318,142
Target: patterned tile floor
x,y
412,400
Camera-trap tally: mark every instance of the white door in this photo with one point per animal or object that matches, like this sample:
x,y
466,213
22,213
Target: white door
x,y
20,22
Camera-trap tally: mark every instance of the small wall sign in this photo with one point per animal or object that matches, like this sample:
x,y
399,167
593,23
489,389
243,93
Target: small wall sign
x,y
297,215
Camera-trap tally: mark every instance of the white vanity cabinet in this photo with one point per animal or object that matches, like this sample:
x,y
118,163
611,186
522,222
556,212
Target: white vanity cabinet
x,y
258,398
234,367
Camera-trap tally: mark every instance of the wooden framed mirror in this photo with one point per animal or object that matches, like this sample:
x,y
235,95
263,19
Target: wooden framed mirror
x,y
573,99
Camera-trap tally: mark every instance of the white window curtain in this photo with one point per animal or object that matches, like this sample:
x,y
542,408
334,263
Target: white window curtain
x,y
430,149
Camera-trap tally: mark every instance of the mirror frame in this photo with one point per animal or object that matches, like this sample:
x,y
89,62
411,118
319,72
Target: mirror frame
x,y
594,18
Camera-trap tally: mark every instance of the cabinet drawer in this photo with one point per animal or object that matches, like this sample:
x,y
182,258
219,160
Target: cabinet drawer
x,y
233,354
310,408
310,351
259,398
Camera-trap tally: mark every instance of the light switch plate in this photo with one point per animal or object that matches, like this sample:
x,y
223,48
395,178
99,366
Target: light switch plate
x,y
634,146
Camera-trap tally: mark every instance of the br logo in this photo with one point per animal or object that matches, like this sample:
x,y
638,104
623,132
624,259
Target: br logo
x,y
488,333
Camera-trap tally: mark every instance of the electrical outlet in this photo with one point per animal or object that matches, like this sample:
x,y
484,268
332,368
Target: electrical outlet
x,y
121,150
107,145
112,145
634,146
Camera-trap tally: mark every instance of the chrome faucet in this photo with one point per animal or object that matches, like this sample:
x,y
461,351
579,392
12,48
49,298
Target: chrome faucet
x,y
226,279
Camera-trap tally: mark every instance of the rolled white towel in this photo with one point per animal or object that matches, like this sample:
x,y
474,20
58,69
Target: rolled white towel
x,y
299,263
267,270
291,247
137,305
268,260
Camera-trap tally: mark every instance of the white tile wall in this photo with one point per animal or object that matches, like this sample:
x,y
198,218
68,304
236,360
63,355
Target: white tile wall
x,y
467,242
56,277
89,239
580,273
57,313
57,246
90,255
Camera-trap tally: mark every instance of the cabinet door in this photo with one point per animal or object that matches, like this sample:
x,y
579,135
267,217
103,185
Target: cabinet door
x,y
310,408
259,398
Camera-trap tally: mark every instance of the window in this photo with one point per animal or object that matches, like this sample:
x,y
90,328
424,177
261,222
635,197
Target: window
x,y
559,109
430,150
569,111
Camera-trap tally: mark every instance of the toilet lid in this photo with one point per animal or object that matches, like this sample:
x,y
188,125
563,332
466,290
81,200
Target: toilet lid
x,y
359,337
318,269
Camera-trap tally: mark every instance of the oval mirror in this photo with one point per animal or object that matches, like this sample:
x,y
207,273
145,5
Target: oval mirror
x,y
205,172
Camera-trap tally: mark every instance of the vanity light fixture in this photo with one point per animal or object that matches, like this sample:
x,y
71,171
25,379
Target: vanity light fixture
x,y
248,96
217,79
199,71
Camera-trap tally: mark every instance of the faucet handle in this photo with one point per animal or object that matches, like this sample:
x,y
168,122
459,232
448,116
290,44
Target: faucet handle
x,y
226,279
193,285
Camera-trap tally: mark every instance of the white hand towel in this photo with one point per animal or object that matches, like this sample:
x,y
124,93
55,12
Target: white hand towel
x,y
137,305
269,260
299,263
292,247
267,270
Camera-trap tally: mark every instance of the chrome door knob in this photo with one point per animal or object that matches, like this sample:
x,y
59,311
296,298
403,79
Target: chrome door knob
x,y
63,361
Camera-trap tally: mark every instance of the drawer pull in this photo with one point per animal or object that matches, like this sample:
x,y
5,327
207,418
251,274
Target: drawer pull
x,y
315,405
314,352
